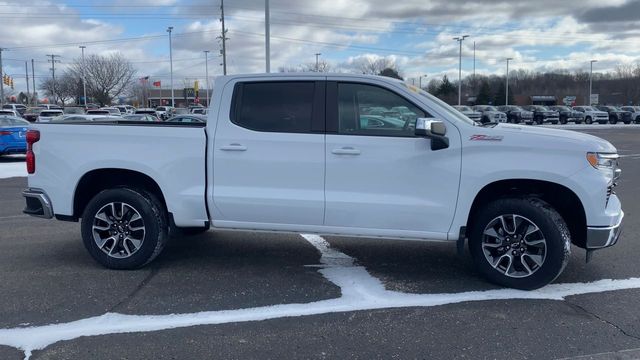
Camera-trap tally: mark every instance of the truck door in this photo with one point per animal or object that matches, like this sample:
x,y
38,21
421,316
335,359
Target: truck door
x,y
269,164
379,174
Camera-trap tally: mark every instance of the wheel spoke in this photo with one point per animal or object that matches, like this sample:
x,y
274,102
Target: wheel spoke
x,y
525,265
537,259
136,228
495,264
135,242
492,233
102,216
103,242
101,228
534,242
492,245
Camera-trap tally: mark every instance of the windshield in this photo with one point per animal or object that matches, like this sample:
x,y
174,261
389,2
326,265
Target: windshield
x,y
6,121
50,113
442,105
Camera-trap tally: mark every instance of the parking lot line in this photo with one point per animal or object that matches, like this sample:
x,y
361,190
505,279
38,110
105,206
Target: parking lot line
x,y
359,291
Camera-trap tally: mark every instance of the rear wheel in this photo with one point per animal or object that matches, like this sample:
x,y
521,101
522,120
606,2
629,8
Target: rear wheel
x,y
521,243
563,120
124,228
638,120
588,120
539,120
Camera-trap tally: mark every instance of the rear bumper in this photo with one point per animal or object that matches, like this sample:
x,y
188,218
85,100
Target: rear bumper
x,y
38,203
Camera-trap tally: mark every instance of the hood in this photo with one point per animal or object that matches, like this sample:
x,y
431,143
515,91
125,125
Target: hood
x,y
572,139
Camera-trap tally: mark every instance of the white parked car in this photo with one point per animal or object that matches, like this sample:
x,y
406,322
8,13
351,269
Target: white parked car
x,y
592,115
162,112
295,153
490,114
113,111
18,108
48,115
469,112
6,112
635,112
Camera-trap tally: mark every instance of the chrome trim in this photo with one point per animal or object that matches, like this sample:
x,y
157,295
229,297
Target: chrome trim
x,y
45,203
601,237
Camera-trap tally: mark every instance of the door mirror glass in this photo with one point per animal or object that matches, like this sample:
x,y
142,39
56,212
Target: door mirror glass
x,y
433,129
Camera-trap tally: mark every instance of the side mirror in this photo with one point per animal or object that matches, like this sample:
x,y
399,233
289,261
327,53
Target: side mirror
x,y
433,129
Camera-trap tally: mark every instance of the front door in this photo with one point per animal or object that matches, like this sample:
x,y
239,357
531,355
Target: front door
x,y
379,175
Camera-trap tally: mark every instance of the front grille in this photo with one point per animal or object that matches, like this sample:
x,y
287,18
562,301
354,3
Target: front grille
x,y
609,192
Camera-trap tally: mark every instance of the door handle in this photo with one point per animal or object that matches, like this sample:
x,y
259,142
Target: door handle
x,y
347,150
233,147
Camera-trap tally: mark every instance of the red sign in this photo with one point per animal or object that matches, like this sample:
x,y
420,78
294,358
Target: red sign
x,y
156,83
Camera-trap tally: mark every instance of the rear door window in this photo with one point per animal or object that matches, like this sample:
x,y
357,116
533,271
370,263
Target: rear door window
x,y
275,106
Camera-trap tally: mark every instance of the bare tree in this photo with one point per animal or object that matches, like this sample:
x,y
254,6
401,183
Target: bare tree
x,y
323,66
64,88
374,66
107,77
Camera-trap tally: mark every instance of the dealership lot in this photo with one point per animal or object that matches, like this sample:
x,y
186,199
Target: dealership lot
x,y
46,277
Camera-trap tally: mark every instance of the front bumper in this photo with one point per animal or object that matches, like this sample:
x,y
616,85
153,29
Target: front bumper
x,y
600,237
38,203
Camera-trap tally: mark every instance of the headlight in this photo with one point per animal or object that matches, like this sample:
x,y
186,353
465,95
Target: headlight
x,y
605,162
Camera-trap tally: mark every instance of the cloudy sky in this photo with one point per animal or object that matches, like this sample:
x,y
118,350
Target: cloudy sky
x,y
416,34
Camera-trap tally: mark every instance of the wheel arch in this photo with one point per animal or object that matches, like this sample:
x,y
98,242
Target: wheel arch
x,y
94,181
563,199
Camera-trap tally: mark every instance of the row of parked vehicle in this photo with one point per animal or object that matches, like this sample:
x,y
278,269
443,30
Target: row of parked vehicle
x,y
55,113
538,114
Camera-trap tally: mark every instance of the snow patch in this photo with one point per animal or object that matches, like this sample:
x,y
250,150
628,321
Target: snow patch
x,y
13,169
360,291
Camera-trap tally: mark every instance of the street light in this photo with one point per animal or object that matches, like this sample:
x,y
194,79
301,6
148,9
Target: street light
x,y
590,79
506,92
169,29
420,82
317,62
84,82
460,39
206,71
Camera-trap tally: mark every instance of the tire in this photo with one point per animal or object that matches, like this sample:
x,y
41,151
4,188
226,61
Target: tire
x,y
588,120
544,261
613,120
563,120
539,120
118,242
638,120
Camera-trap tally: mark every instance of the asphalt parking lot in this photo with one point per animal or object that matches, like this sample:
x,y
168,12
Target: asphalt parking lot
x,y
224,285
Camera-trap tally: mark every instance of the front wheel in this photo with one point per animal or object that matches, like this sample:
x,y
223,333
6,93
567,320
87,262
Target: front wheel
x,y
124,228
588,120
521,243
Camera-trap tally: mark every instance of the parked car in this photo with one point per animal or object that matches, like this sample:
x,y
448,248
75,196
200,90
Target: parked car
x,y
18,108
193,118
48,115
490,114
146,111
543,115
13,130
635,112
125,109
177,111
162,112
200,111
469,112
103,112
592,114
74,118
516,114
112,111
141,117
50,106
73,110
616,114
272,161
6,112
568,114
31,114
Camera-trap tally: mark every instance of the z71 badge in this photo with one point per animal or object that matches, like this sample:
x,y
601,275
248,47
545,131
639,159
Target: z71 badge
x,y
485,138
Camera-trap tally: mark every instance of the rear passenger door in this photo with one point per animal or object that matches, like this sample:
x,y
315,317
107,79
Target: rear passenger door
x,y
269,159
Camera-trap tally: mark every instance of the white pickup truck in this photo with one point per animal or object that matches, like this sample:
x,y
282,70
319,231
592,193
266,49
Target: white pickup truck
x,y
303,153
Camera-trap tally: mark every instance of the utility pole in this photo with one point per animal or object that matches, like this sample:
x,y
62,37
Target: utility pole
x,y
53,62
1,75
474,66
206,73
173,101
84,81
33,79
26,75
460,39
317,62
421,76
591,80
506,92
223,37
267,36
